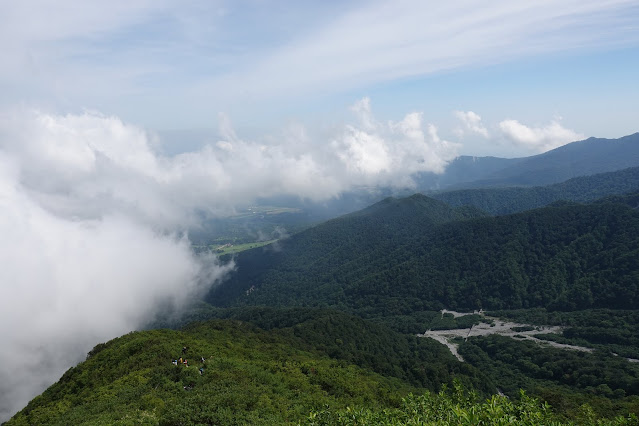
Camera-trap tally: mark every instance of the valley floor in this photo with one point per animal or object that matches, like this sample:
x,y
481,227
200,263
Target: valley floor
x,y
500,327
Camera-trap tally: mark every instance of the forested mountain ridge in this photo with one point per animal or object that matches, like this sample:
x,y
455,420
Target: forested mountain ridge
x,y
248,376
352,241
516,199
416,208
581,158
568,256
464,169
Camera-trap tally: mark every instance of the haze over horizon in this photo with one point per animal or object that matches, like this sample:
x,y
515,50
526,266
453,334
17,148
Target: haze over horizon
x,y
121,120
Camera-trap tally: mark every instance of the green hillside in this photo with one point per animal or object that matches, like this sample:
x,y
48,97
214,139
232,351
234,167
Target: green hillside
x,y
380,263
249,377
295,373
346,248
501,201
420,362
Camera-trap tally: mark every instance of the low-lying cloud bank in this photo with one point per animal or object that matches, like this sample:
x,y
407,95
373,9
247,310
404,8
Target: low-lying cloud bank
x,y
93,220
88,165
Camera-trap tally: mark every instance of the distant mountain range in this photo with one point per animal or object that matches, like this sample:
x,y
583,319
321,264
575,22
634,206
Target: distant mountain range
x,y
577,159
516,199
582,158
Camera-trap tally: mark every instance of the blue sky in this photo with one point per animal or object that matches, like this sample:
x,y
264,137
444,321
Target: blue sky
x,y
177,65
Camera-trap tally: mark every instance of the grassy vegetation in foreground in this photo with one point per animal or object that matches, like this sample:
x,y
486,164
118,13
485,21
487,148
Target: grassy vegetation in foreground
x,y
249,377
253,376
461,408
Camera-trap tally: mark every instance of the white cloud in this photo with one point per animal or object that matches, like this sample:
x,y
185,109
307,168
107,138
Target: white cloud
x,y
471,122
538,139
390,153
88,165
363,152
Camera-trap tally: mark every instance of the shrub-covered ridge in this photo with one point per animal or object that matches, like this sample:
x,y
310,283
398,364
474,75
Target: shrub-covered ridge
x,y
248,376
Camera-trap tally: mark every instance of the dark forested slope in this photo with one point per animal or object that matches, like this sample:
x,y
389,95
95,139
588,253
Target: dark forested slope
x,y
517,199
340,249
388,260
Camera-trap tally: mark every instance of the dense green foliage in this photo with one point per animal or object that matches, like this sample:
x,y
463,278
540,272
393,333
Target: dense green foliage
x,y
565,378
250,377
397,267
253,376
501,201
615,331
320,259
461,408
411,255
420,362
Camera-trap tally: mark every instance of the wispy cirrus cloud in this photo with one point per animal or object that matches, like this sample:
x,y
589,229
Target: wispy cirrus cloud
x,y
385,41
138,54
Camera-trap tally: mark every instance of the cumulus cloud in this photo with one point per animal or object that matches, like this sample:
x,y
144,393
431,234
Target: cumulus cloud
x,y
471,122
89,164
538,139
389,153
367,152
93,219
